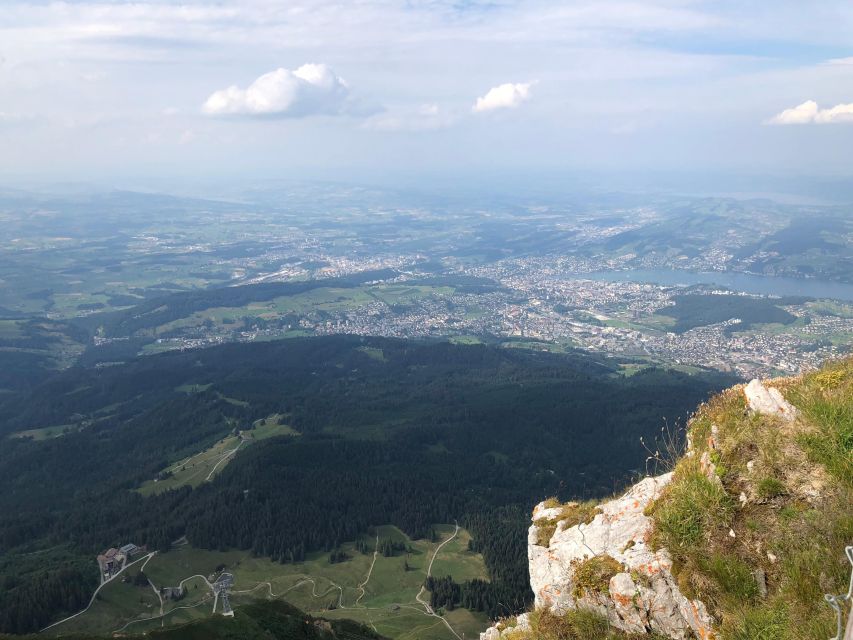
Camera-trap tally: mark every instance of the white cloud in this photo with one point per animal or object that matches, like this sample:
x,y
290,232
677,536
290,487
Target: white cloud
x,y
838,113
504,96
311,89
801,114
809,112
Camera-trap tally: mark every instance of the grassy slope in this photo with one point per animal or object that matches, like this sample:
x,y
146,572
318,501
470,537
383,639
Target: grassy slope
x,y
388,603
798,483
196,469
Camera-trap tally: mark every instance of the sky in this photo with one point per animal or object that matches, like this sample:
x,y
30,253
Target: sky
x,y
314,88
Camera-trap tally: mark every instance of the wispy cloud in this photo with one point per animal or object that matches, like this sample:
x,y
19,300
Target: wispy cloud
x,y
504,96
425,117
312,89
810,113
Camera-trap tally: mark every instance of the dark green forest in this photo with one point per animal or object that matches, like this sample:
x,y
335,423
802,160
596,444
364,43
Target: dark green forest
x,y
430,432
691,311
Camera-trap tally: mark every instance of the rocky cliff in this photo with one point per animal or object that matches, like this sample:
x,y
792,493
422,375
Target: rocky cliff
x,y
739,541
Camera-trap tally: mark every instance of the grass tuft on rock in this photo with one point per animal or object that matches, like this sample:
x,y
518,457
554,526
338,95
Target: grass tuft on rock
x,y
691,508
571,514
763,541
593,575
577,624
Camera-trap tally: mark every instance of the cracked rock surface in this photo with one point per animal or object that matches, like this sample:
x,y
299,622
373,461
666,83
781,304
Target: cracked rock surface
x,y
642,597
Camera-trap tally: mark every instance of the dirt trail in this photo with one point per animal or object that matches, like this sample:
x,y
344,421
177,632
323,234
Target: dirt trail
x,y
224,457
369,572
426,604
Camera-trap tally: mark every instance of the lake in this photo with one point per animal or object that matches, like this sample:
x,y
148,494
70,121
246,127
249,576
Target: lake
x,y
744,282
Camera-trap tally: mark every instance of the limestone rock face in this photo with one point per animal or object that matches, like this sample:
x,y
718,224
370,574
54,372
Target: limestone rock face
x,y
507,631
634,587
643,596
762,399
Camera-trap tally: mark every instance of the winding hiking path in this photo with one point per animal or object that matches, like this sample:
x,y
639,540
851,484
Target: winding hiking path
x,y
364,583
170,611
369,572
426,605
427,610
310,581
198,575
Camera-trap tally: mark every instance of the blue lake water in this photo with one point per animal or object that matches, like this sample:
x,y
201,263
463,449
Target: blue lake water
x,y
744,282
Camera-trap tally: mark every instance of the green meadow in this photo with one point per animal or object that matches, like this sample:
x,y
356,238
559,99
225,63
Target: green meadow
x,y
381,593
204,465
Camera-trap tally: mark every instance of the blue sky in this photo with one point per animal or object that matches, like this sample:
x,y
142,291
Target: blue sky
x,y
318,87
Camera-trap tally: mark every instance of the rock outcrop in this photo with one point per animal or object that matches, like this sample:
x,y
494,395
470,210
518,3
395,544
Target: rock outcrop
x,y
768,400
640,595
599,558
607,565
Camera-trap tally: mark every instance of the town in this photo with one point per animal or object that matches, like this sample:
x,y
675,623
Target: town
x,y
546,304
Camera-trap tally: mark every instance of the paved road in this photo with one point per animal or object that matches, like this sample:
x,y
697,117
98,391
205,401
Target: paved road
x,y
101,586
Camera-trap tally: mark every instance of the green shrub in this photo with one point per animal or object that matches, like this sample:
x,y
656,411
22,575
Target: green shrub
x,y
572,514
577,624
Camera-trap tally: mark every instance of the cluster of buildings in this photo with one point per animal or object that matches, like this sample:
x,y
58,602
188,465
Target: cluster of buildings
x,y
113,560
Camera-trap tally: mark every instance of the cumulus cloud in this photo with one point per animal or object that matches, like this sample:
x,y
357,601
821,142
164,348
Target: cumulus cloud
x,y
312,89
504,96
838,113
809,112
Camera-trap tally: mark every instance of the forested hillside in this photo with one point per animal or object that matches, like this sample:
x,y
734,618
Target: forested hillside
x,y
404,433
